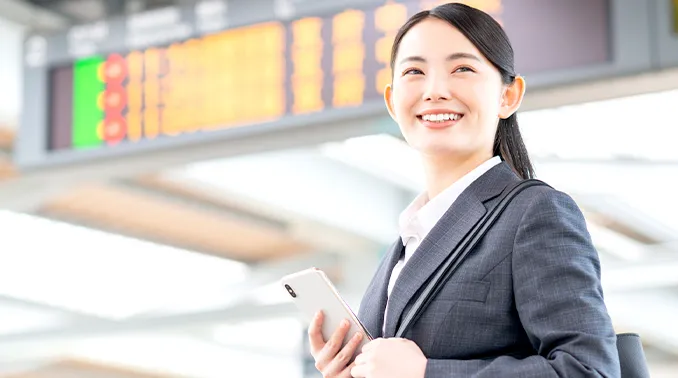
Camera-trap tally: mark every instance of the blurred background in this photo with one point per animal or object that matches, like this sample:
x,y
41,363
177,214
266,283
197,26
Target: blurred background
x,y
164,162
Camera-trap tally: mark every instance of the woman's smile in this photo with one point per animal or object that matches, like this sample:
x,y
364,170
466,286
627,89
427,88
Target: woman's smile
x,y
439,118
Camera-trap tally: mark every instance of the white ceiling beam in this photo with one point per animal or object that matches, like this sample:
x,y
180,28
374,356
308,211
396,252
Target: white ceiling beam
x,y
65,314
601,177
650,313
598,90
259,277
238,312
641,276
32,16
307,185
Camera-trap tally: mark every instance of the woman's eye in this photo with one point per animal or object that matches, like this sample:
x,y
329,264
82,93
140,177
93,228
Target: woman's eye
x,y
464,69
413,71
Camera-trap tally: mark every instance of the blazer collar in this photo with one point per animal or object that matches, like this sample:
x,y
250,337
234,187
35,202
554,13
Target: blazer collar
x,y
492,183
457,221
373,304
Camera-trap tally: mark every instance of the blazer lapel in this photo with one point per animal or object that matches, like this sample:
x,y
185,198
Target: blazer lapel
x,y
432,251
464,213
373,304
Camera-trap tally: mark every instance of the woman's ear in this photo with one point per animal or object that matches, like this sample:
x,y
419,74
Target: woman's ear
x,y
512,97
388,99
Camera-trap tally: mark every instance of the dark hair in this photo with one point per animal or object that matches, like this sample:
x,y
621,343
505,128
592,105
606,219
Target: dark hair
x,y
491,40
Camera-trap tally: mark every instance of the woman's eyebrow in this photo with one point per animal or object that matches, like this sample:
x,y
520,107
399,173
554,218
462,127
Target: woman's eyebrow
x,y
454,56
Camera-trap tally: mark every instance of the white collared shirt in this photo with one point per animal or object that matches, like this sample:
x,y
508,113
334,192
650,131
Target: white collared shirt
x,y
417,220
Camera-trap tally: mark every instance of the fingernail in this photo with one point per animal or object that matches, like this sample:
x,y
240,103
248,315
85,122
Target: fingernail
x,y
358,335
344,323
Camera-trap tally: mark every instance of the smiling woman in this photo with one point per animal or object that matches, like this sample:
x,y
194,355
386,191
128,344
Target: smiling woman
x,y
527,301
471,75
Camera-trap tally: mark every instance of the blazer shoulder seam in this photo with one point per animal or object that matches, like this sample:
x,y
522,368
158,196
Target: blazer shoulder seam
x,y
539,193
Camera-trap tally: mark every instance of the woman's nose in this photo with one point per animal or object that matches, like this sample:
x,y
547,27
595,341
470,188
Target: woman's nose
x,y
436,89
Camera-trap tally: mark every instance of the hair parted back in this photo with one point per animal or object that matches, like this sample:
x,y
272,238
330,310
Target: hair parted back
x,y
491,40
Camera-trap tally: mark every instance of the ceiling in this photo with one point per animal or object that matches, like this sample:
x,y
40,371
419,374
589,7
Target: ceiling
x,y
82,11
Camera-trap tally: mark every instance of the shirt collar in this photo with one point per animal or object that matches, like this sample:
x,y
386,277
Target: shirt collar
x,y
423,213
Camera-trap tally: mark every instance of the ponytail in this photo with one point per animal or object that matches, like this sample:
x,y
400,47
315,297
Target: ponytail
x,y
508,144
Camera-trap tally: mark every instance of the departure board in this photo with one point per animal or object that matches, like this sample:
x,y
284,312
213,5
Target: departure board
x,y
232,78
182,71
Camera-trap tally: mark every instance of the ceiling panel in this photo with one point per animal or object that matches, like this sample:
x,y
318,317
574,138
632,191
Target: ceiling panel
x,y
85,369
15,319
6,138
91,272
151,216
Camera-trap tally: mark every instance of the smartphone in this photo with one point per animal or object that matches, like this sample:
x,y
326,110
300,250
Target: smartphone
x,y
311,291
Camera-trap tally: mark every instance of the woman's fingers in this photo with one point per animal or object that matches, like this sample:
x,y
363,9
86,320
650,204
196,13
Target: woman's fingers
x,y
330,357
347,371
341,359
335,341
315,335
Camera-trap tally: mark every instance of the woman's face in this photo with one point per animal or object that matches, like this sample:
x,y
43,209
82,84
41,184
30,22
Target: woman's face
x,y
446,97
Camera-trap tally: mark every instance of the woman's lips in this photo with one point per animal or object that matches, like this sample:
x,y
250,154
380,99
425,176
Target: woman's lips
x,y
439,121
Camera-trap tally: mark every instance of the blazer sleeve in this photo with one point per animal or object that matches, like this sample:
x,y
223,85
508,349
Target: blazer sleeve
x,y
558,297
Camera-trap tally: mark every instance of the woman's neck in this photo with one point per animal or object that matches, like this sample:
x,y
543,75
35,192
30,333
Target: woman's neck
x,y
443,171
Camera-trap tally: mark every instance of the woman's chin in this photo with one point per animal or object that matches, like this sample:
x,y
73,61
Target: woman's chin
x,y
437,149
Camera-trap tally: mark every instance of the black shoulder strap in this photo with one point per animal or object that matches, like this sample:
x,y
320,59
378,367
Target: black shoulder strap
x,y
461,251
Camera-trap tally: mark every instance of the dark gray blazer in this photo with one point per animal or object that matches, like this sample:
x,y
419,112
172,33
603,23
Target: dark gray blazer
x,y
527,302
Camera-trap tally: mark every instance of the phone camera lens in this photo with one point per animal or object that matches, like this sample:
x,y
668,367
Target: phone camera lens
x,y
289,290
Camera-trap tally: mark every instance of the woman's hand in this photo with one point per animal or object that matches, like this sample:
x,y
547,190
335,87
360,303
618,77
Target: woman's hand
x,y
330,359
390,358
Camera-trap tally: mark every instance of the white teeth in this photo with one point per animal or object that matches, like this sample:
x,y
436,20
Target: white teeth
x,y
440,117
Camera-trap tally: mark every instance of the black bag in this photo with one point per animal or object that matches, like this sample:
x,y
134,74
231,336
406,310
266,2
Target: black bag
x,y
629,347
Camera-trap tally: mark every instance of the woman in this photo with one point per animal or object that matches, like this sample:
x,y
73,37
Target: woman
x,y
527,302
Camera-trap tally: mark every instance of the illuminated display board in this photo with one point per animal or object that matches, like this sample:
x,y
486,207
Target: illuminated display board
x,y
235,77
242,76
175,72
